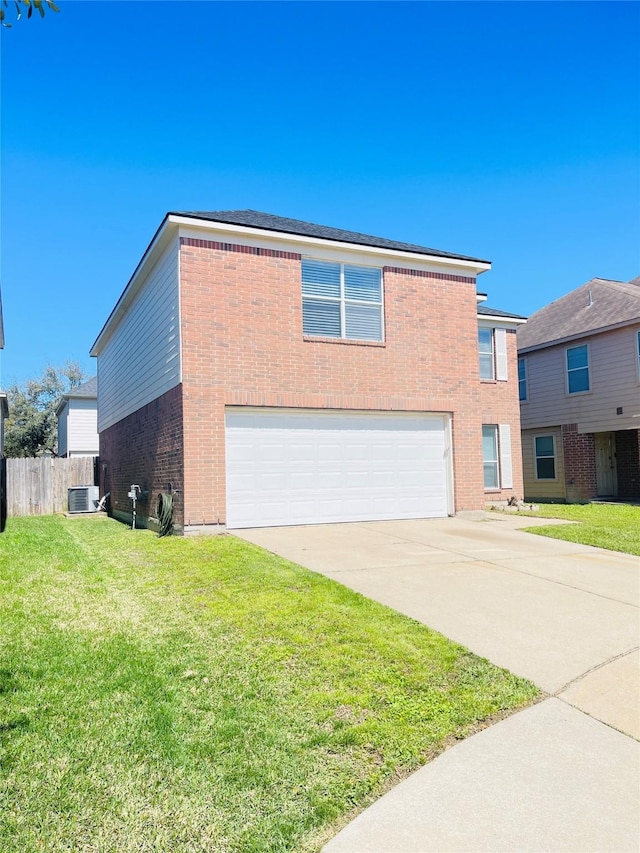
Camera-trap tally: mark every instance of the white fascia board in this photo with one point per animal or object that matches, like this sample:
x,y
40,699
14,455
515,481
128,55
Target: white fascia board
x,y
158,244
63,402
481,297
590,334
277,238
487,321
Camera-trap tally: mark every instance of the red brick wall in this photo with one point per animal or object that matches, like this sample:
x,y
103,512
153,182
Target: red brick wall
x,y
242,344
145,448
579,464
628,464
500,405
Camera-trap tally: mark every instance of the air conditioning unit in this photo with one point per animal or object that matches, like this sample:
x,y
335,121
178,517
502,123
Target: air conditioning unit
x,y
84,498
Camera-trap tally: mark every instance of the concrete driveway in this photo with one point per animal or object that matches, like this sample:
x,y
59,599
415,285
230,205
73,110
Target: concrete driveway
x,y
562,775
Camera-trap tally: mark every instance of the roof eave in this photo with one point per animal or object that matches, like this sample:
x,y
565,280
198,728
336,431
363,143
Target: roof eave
x,y
120,305
477,265
496,320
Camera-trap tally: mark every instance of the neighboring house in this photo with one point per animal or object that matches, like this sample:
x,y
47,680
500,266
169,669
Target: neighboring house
x,y
579,372
77,414
267,371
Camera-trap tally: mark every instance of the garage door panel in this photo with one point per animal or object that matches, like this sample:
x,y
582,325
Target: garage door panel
x,y
291,467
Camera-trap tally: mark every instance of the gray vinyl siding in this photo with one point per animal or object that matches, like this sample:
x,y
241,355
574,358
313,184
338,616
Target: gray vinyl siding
x,y
82,427
62,430
613,371
553,489
141,360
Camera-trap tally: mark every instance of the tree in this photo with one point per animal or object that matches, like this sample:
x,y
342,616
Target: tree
x,y
29,5
31,428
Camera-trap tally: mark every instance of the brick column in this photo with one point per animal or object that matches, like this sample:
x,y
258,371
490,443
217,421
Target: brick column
x,y
579,464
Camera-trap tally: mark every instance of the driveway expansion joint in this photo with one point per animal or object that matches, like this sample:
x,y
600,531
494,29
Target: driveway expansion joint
x,y
593,669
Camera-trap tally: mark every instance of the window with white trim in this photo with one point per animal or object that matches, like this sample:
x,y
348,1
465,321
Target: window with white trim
x,y
544,449
341,301
496,456
485,348
492,350
578,380
522,380
638,352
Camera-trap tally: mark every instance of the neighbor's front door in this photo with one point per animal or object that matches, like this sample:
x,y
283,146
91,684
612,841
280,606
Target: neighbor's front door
x,y
606,479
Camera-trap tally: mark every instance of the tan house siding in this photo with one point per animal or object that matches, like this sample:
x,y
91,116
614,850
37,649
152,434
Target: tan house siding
x,y
534,488
613,367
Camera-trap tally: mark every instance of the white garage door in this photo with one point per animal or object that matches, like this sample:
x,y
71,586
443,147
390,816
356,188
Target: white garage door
x,y
295,466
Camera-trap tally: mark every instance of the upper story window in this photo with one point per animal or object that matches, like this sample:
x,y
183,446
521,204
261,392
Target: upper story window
x,y
578,370
485,347
492,348
522,380
341,301
638,352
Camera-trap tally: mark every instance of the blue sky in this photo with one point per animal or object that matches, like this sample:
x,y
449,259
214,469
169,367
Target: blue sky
x,y
507,131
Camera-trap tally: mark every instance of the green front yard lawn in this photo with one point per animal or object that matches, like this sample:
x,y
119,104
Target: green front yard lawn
x,y
202,694
612,526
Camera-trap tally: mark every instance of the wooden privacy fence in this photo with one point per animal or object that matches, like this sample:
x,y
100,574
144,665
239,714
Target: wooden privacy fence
x,y
39,486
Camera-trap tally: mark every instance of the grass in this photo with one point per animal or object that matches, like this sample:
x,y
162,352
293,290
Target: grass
x,y
202,694
612,526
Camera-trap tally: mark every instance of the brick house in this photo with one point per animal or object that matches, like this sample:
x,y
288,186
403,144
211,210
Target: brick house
x,y
268,371
579,386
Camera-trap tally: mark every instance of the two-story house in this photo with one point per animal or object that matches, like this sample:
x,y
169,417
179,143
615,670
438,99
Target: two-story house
x,y
268,371
579,378
77,414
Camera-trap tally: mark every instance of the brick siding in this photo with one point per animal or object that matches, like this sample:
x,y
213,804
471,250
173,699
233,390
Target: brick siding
x,y
500,405
579,464
145,448
242,344
628,464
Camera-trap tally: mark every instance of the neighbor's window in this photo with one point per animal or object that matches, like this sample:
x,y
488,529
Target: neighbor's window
x,y
545,452
490,456
341,301
638,342
578,369
522,380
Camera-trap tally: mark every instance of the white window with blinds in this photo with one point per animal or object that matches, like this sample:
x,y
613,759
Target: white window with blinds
x,y
496,454
342,301
492,348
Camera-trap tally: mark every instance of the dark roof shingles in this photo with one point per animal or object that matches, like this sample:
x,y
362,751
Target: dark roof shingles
x,y
87,389
270,222
496,312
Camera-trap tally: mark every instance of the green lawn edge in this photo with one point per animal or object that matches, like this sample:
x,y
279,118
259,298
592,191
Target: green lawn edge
x,y
615,527
190,694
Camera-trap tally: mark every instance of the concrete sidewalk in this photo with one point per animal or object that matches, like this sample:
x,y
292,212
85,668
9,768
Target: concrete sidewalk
x,y
563,775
